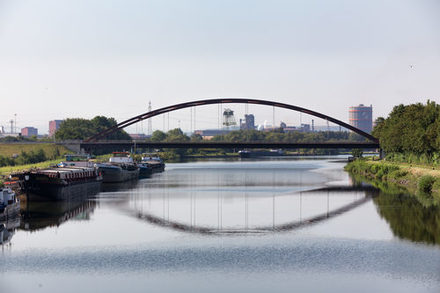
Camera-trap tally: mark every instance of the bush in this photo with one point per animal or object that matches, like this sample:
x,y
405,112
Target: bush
x,y
379,171
6,161
374,169
425,183
357,153
398,174
24,158
436,185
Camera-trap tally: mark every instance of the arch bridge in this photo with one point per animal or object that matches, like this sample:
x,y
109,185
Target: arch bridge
x,y
93,141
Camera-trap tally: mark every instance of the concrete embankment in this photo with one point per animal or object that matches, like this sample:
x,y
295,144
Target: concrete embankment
x,y
415,179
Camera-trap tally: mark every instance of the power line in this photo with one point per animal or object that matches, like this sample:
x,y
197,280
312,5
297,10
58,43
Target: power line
x,y
150,122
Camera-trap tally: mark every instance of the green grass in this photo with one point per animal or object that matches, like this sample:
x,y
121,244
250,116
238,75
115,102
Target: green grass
x,y
425,183
415,179
8,149
10,169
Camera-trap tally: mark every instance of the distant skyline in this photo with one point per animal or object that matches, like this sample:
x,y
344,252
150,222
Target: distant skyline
x,y
65,59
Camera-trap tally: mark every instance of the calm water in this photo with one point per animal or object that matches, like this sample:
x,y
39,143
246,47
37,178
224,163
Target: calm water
x,y
248,226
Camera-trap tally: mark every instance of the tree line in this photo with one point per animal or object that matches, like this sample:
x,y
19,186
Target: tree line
x,y
411,131
289,137
79,128
176,135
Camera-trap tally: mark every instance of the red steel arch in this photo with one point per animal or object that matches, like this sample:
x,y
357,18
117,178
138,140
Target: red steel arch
x,y
171,108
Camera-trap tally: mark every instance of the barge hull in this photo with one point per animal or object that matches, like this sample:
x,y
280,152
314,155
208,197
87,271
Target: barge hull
x,y
118,175
66,192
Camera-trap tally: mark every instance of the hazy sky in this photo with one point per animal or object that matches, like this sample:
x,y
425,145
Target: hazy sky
x,y
61,59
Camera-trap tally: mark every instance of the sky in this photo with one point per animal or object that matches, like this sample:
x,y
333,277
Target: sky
x,y
81,58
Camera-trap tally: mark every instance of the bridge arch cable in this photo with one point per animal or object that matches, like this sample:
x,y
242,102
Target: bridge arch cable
x,y
197,103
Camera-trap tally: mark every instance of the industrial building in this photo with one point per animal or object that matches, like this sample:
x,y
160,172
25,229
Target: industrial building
x,y
210,133
302,128
138,136
29,131
361,117
53,126
248,123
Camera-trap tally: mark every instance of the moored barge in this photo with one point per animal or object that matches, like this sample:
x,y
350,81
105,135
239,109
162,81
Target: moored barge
x,y
154,162
61,183
260,153
145,170
120,168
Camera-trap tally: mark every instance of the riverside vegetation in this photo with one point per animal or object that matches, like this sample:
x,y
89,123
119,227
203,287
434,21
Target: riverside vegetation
x,y
415,193
277,135
412,216
410,136
20,156
420,181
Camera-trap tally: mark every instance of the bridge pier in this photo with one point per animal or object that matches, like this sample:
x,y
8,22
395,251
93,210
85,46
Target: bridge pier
x,y
72,145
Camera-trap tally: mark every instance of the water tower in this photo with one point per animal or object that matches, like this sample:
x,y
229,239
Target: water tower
x,y
228,118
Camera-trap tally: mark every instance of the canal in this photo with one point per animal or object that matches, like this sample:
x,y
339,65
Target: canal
x,y
299,225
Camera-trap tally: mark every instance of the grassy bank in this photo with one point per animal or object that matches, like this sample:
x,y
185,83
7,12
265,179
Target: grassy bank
x,y
48,153
5,171
50,149
10,169
417,180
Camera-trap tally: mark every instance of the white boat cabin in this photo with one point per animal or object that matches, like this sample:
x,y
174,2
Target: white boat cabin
x,y
121,158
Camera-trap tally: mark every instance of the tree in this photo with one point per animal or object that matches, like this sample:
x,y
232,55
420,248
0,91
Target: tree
x,y
75,128
196,137
379,124
176,135
410,129
357,153
158,136
100,123
79,128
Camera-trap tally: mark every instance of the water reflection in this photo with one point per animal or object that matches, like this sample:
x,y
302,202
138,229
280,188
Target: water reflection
x,y
244,197
7,229
414,217
40,215
408,218
205,228
119,186
232,198
343,246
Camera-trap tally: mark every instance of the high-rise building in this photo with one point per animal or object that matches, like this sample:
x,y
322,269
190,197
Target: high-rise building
x,y
53,126
29,131
248,123
361,117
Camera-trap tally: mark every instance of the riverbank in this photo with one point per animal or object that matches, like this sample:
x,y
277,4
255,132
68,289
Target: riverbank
x,y
417,180
5,171
16,148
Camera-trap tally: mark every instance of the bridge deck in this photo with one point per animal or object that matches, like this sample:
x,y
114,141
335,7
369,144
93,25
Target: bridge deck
x,y
247,145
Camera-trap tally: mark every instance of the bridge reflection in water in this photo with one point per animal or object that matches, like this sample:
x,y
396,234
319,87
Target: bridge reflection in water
x,y
195,212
